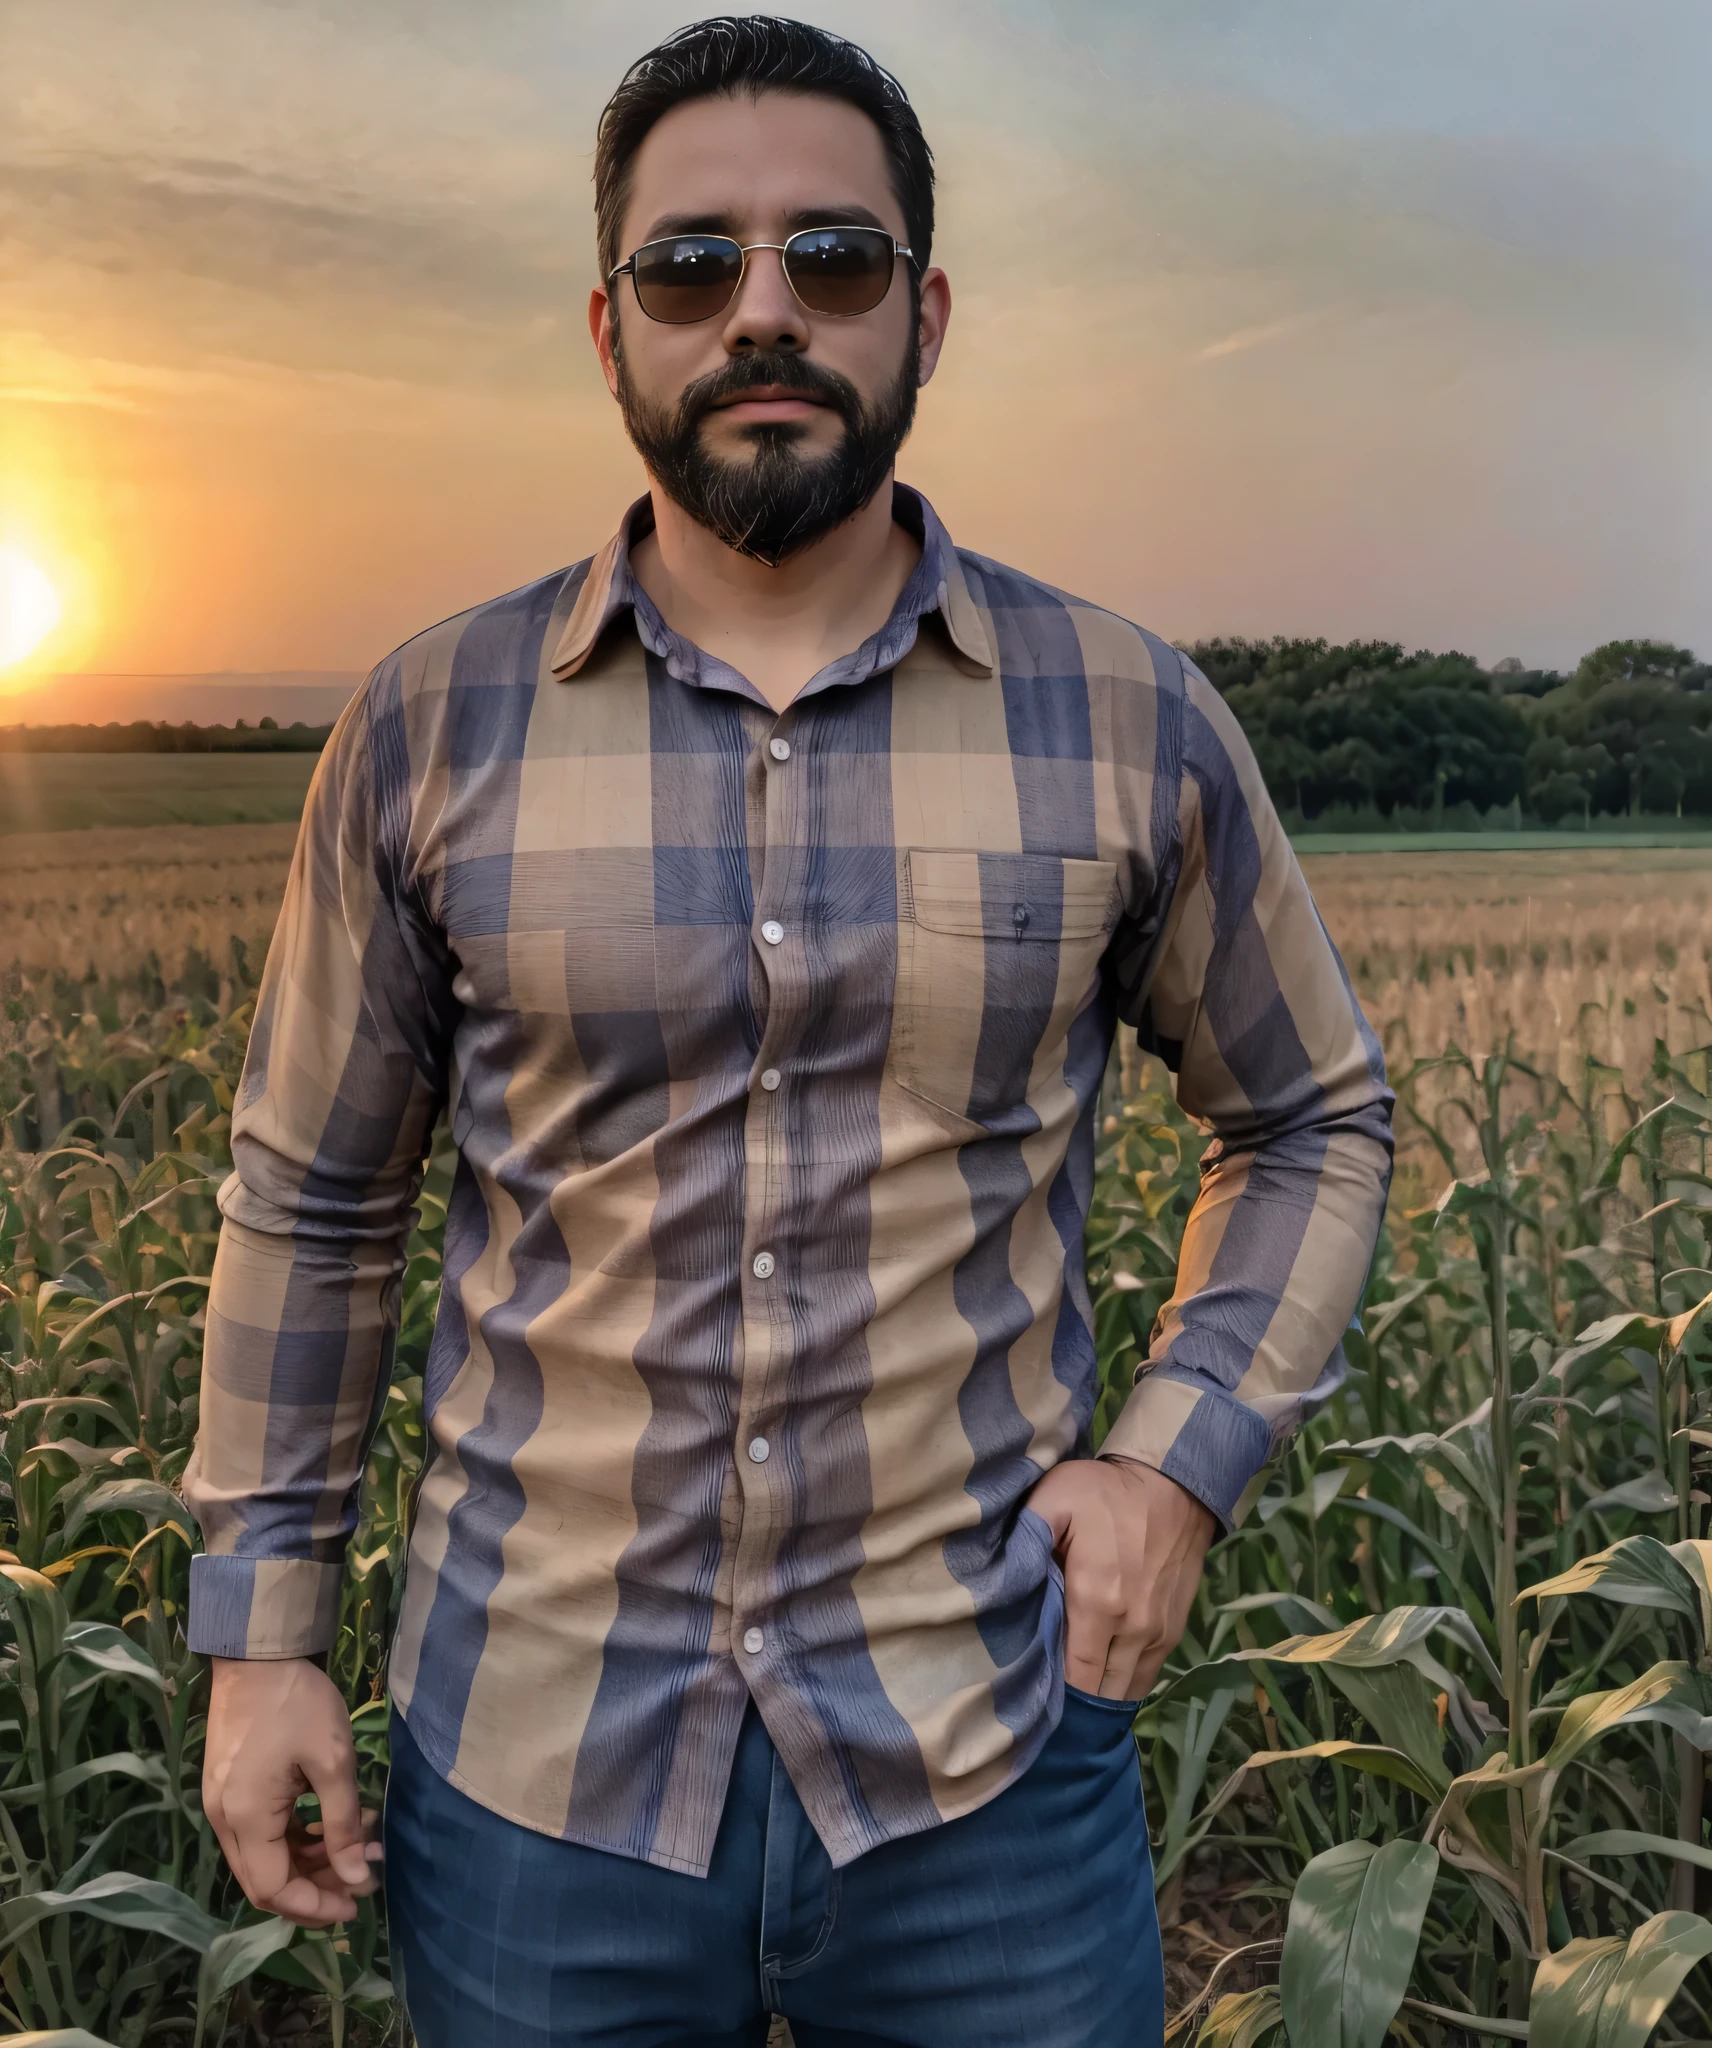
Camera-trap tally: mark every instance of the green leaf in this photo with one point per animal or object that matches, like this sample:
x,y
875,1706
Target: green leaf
x,y
1400,1707
1371,1757
1569,1989
1672,1692
1299,1614
1695,1558
232,1957
1648,1493
148,1770
1383,1941
1349,1948
38,1612
1241,2019
1638,1572
123,1900
145,1497
1611,1993
1627,1842
1377,1639
108,1649
1660,1954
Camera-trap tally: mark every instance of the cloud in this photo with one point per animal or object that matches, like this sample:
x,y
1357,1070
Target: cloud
x,y
1246,338
297,288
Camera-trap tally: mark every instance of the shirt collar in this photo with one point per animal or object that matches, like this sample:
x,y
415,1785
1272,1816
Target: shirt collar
x,y
937,585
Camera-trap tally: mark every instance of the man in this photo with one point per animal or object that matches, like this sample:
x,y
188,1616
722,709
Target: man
x,y
759,899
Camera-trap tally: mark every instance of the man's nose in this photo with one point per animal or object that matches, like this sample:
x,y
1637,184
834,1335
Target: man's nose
x,y
766,313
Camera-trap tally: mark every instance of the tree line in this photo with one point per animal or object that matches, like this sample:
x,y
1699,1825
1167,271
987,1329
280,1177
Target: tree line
x,y
1364,733
143,736
1359,733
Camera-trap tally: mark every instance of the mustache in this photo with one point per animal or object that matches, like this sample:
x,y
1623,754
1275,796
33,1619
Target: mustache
x,y
777,367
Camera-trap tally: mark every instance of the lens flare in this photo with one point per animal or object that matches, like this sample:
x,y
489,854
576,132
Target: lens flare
x,y
29,606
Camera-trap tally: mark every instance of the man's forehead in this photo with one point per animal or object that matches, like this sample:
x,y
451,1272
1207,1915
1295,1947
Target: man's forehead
x,y
777,157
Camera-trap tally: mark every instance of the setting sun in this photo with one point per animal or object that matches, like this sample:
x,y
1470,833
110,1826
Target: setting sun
x,y
29,606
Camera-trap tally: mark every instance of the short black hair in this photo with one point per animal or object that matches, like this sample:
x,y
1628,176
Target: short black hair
x,y
756,53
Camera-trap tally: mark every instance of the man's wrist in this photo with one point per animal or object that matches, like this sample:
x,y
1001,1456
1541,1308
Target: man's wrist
x,y
1126,1461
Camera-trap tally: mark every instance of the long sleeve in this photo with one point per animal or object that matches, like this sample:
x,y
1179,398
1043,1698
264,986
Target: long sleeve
x,y
1249,1002
341,1084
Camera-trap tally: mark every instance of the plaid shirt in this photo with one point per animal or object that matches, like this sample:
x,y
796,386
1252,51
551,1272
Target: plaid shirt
x,y
771,1044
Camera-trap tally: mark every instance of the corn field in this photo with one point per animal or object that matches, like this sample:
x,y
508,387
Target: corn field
x,y
1429,1766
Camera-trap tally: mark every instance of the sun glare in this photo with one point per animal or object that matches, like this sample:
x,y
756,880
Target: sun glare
x,y
29,606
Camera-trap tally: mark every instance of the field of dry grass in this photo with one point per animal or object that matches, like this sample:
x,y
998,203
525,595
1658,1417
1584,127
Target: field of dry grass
x,y
114,899
1576,952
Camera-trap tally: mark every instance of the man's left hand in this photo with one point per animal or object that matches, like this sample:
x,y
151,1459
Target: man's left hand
x,y
1132,1544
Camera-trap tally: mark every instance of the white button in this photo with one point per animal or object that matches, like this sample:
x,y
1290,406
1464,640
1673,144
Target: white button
x,y
770,1079
754,1641
759,1450
779,749
762,1266
773,932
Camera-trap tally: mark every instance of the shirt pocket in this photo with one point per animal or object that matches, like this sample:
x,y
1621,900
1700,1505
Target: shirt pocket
x,y
997,954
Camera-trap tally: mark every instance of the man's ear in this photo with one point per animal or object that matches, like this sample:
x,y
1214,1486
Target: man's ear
x,y
933,317
603,331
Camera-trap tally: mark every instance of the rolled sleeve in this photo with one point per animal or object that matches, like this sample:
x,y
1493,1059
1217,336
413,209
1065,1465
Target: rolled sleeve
x,y
1251,1005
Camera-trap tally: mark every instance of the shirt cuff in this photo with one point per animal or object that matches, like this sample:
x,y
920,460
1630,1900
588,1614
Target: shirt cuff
x,y
1197,1434
263,1608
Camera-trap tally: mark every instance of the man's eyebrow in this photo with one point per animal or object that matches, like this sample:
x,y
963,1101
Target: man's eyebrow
x,y
705,223
849,216
718,222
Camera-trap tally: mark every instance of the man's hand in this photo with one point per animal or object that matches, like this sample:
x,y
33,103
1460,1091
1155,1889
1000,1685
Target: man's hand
x,y
1132,1543
276,1731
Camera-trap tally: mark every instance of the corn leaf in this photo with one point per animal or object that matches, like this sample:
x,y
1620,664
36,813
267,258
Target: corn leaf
x,y
123,1900
1371,1757
1241,2019
1611,1993
1349,1948
1673,1693
109,1650
1629,1842
1660,1954
1638,1572
232,1957
1398,1704
145,1497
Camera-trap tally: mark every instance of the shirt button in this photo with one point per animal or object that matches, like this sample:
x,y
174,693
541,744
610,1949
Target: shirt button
x,y
754,1641
773,932
759,1450
770,1079
762,1265
779,749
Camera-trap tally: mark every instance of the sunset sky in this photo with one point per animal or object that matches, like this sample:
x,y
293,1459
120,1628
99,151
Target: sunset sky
x,y
1387,317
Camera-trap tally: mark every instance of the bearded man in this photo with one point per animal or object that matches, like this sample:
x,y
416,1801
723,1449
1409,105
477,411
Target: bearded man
x,y
759,900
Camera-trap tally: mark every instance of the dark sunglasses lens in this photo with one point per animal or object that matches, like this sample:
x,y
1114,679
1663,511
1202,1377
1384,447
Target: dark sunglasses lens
x,y
688,277
839,270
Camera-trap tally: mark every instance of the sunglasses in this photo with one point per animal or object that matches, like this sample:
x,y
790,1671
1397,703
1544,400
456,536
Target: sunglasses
x,y
836,271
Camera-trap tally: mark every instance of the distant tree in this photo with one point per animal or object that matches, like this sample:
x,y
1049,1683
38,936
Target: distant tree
x,y
1364,723
1561,779
1623,661
1651,731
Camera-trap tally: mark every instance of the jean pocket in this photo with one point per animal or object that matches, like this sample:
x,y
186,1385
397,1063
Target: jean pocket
x,y
1126,1709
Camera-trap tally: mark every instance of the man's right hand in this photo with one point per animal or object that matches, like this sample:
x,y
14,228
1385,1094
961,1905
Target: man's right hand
x,y
275,1731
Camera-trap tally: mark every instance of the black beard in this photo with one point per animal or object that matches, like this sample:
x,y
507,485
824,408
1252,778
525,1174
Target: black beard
x,y
779,502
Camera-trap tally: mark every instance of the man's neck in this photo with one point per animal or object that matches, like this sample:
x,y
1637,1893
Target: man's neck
x,y
776,627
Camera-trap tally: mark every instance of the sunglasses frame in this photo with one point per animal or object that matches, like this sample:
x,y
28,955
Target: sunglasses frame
x,y
744,249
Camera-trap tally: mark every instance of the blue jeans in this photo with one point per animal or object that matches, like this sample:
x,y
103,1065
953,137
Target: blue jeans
x,y
1028,1922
